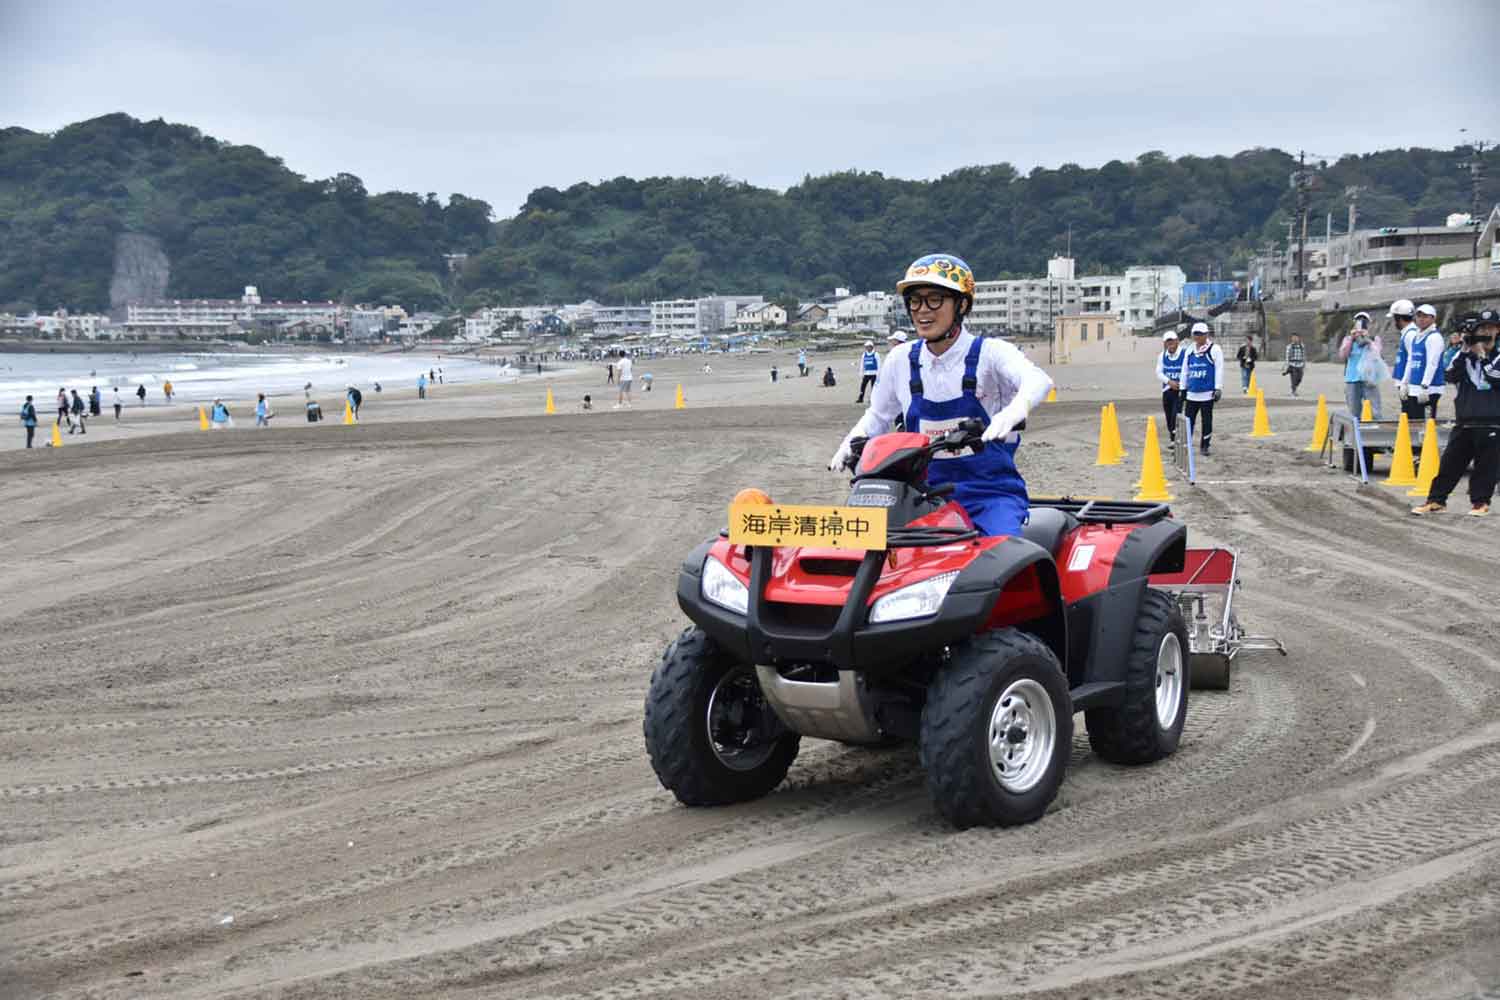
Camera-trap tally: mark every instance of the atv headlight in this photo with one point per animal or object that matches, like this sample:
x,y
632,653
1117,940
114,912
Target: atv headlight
x,y
917,601
723,588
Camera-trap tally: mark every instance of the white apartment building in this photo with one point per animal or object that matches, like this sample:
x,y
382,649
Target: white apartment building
x,y
221,317
692,319
1023,305
1103,293
870,311
614,322
1150,291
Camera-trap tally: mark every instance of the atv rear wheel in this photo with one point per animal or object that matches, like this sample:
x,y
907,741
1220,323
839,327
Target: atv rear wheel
x,y
712,737
1147,726
997,730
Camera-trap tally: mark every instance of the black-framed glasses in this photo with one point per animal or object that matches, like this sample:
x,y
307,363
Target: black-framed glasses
x,y
932,300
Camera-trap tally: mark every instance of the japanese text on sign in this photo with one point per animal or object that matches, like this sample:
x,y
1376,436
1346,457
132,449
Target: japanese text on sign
x,y
829,527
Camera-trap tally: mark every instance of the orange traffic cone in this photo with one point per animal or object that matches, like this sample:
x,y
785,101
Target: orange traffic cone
x,y
1262,426
1402,472
1430,461
681,403
1366,414
202,419
1320,426
1051,395
551,406
1154,483
1106,454
1114,432
56,441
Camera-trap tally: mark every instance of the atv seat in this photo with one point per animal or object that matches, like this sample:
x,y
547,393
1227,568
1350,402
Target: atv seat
x,y
1047,526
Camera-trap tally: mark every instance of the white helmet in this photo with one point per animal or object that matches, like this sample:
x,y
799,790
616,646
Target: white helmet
x,y
1401,307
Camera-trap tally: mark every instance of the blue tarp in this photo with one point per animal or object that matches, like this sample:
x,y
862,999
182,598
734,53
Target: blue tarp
x,y
1207,293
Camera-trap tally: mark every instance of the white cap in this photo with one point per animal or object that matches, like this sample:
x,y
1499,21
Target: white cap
x,y
1364,314
899,337
1401,307
1200,328
869,343
1169,335
1426,310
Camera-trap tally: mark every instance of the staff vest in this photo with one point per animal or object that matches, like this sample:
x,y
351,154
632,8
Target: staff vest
x,y
871,362
1201,375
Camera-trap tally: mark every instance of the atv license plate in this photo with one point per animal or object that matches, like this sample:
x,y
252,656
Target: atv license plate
x,y
826,527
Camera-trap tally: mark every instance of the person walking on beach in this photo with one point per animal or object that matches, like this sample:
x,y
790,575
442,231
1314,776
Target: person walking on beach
x,y
1247,355
1169,374
78,413
263,412
166,389
609,373
869,369
28,419
421,386
1203,385
623,372
140,392
118,404
64,410
218,416
802,363
355,398
1475,436
1296,361
95,402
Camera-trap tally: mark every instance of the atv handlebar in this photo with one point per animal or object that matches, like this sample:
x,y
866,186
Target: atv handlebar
x,y
966,435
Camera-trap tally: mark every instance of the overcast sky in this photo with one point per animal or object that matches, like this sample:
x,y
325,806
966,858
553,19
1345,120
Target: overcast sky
x,y
493,100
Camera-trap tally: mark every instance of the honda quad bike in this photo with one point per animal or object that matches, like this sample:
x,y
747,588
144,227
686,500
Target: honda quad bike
x,y
978,649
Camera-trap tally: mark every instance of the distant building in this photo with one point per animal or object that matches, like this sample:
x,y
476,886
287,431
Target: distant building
x,y
1022,305
1089,338
811,314
870,311
693,319
1150,291
219,318
1380,256
760,316
617,322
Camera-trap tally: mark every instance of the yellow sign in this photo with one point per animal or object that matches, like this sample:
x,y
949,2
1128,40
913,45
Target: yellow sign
x,y
828,527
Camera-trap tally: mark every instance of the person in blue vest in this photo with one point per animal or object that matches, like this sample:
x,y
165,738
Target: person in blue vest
x,y
869,369
802,362
1169,373
1402,314
1202,385
1422,384
28,419
949,375
219,416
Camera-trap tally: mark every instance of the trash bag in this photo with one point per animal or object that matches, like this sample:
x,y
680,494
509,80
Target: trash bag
x,y
1373,369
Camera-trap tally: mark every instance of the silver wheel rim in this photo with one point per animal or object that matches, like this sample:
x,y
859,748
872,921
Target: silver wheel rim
x,y
1023,734
729,704
1168,681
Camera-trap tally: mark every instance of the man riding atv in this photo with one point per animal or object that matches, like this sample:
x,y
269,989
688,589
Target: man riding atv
x,y
947,376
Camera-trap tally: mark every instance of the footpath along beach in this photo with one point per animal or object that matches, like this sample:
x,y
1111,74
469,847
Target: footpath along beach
x,y
321,711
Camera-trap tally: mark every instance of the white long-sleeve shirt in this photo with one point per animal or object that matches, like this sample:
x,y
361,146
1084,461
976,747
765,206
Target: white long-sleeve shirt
x,y
1004,374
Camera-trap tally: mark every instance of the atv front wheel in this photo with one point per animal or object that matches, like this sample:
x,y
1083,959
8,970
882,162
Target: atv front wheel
x,y
712,737
1147,726
996,731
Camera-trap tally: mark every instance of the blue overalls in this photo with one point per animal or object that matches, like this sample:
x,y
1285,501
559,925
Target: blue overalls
x,y
986,484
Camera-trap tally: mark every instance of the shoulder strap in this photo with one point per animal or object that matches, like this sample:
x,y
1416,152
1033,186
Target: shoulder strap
x,y
915,363
971,366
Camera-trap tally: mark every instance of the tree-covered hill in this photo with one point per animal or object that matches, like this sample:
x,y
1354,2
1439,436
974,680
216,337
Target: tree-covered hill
x,y
229,215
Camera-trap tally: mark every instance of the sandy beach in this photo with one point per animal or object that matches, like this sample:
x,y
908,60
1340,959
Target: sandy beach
x,y
324,711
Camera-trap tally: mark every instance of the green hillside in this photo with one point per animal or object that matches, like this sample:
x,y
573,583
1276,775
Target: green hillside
x,y
228,215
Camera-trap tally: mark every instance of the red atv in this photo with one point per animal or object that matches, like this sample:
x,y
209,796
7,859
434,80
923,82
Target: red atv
x,y
979,649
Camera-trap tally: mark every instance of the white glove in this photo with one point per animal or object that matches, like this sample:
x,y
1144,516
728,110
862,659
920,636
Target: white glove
x,y
836,463
1004,422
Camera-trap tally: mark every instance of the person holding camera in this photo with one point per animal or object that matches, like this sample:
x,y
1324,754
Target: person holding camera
x,y
1474,438
1360,352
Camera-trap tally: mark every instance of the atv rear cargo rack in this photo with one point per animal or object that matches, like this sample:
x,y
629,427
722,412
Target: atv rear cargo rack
x,y
1106,511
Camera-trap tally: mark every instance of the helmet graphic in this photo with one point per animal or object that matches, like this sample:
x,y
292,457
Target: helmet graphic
x,y
943,270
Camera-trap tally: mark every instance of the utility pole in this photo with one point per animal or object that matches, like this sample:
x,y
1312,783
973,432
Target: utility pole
x,y
1352,193
1301,181
1475,166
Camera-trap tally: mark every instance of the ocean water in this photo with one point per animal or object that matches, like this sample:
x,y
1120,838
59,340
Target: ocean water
x,y
201,377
